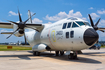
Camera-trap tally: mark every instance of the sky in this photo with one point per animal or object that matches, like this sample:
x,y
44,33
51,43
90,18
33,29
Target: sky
x,y
50,11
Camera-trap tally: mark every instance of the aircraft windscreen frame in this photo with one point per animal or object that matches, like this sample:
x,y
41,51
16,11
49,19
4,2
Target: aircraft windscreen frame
x,y
82,23
87,23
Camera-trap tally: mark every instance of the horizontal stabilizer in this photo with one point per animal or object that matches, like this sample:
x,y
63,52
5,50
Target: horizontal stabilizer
x,y
6,32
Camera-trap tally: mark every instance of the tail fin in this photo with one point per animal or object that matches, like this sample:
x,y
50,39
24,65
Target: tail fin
x,y
29,15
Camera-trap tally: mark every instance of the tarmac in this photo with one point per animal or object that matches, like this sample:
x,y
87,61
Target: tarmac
x,y
24,60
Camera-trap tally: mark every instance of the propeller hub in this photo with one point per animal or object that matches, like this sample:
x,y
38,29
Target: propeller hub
x,y
95,28
21,25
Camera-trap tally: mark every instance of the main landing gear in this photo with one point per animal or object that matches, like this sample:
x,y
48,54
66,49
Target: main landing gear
x,y
73,56
59,52
35,53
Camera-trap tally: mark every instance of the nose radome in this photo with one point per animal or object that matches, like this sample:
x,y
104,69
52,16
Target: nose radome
x,y
90,36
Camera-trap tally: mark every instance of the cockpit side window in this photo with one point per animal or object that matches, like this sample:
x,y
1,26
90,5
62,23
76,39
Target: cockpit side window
x,y
69,25
64,25
74,25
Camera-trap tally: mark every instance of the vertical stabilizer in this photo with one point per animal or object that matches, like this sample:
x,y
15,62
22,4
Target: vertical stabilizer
x,y
30,20
29,15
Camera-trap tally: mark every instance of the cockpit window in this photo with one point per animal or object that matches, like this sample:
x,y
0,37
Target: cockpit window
x,y
74,25
87,23
80,23
69,25
64,25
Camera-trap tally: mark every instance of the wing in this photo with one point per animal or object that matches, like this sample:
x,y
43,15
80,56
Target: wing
x,y
6,25
38,27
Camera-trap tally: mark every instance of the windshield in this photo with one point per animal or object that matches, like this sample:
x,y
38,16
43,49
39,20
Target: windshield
x,y
80,23
87,23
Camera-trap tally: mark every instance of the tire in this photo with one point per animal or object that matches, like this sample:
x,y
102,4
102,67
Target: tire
x,y
61,53
37,53
57,53
34,53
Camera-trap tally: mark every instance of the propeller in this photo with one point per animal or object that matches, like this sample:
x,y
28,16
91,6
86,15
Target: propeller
x,y
21,25
95,26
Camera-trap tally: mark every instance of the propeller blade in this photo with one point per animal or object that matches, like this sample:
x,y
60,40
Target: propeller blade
x,y
13,22
97,22
19,16
12,33
102,30
29,18
92,24
25,39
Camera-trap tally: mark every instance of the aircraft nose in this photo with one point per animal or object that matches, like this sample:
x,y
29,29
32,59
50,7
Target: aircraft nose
x,y
90,36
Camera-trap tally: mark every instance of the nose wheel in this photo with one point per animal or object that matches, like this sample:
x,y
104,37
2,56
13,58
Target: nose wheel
x,y
73,56
35,53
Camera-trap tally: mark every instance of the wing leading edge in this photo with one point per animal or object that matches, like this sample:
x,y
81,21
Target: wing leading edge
x,y
7,25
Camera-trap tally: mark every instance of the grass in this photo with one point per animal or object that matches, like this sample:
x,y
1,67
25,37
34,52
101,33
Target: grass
x,y
102,46
14,48
18,48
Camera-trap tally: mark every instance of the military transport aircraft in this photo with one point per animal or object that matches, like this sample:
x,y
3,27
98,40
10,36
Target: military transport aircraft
x,y
69,34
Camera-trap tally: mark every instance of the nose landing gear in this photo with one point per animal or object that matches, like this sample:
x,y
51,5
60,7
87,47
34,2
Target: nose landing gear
x,y
73,56
36,53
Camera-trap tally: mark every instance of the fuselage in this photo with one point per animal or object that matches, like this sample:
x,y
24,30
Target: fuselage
x,y
66,34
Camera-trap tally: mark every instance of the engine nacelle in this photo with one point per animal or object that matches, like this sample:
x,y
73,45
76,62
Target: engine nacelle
x,y
40,48
19,33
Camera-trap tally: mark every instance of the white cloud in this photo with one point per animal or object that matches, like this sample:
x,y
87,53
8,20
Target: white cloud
x,y
49,23
84,18
94,16
3,30
101,35
101,11
62,15
37,21
91,8
102,23
13,13
77,14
